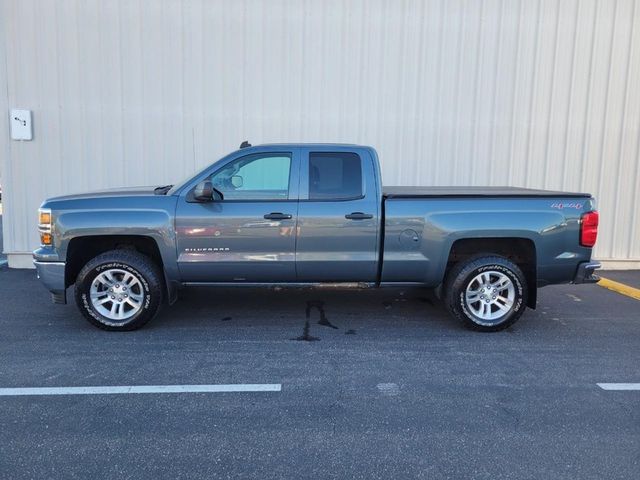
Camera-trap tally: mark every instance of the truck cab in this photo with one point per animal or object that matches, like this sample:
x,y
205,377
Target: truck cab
x,y
290,214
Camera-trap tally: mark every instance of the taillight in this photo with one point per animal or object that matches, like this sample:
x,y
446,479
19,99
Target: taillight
x,y
588,229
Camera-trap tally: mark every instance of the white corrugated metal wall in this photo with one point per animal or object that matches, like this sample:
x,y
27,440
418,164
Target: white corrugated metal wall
x,y
537,93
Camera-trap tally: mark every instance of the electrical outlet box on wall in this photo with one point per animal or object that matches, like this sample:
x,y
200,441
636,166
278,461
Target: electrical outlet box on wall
x,y
20,122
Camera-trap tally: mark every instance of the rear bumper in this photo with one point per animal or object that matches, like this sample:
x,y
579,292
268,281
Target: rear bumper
x,y
51,274
585,274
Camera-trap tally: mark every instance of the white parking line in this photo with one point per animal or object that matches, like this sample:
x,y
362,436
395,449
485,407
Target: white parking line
x,y
111,390
619,386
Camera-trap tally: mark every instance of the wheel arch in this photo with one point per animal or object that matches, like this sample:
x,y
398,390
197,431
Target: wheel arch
x,y
520,250
81,249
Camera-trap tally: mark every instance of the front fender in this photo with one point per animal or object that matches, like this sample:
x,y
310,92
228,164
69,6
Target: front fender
x,y
155,224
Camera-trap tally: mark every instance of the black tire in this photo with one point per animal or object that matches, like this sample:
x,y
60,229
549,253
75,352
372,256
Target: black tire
x,y
462,275
150,288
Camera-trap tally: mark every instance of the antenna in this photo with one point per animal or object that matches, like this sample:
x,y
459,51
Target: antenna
x,y
245,144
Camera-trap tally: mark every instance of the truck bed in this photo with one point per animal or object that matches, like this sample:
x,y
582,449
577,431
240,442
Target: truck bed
x,y
426,192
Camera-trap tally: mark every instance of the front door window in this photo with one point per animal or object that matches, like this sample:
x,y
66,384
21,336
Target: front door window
x,y
255,177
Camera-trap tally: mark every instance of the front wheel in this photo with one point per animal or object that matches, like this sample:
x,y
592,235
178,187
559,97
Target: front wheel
x,y
119,290
487,293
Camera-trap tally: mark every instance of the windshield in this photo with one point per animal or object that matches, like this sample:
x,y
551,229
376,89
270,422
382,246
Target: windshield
x,y
178,186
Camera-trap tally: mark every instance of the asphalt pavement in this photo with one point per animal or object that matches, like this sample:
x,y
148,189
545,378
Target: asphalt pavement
x,y
380,384
2,256
627,277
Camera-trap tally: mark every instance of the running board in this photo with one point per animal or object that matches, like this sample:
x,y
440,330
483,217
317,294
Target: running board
x,y
330,285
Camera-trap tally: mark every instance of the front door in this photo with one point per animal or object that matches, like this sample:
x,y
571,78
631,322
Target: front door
x,y
248,236
338,216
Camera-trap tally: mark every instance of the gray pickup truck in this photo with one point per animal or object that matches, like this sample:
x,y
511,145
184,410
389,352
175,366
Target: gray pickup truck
x,y
312,214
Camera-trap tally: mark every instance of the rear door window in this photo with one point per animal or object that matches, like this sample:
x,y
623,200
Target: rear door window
x,y
335,176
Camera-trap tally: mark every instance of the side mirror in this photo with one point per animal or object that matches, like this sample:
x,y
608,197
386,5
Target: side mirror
x,y
237,181
204,192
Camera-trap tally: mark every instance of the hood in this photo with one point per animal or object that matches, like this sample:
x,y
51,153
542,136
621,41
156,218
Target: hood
x,y
112,192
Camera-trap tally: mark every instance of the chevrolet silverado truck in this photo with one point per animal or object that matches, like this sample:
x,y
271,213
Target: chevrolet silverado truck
x,y
308,215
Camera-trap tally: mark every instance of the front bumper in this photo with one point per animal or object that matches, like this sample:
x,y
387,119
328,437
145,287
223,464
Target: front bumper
x,y
51,274
585,274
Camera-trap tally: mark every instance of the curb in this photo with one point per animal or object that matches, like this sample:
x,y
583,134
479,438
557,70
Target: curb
x,y
620,288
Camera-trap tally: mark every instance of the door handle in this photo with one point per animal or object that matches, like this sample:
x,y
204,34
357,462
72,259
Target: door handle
x,y
277,216
358,216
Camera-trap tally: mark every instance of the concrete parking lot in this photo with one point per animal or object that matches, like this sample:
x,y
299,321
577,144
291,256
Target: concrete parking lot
x,y
391,388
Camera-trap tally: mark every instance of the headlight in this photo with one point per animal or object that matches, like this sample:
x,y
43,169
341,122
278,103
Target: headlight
x,y
44,226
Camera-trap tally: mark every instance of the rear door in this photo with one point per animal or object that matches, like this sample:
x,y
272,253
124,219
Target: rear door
x,y
250,235
338,216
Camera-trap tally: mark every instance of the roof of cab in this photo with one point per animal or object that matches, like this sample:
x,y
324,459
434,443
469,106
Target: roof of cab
x,y
314,144
319,146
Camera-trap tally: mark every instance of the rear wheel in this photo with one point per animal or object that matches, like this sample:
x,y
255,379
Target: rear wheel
x,y
119,290
487,293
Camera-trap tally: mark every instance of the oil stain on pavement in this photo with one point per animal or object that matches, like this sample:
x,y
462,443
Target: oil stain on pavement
x,y
324,321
